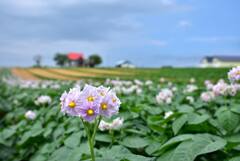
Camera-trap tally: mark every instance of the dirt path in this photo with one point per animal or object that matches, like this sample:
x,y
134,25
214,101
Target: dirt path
x,y
73,73
23,74
45,73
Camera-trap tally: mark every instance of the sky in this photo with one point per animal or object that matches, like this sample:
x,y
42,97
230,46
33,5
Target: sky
x,y
149,33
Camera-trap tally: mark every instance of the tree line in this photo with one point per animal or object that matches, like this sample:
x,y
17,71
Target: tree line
x,y
93,60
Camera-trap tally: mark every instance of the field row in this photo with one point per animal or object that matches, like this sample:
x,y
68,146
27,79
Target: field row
x,y
64,74
170,74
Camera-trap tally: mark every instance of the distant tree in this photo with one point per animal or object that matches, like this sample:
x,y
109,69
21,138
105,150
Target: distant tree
x,y
94,60
38,60
61,59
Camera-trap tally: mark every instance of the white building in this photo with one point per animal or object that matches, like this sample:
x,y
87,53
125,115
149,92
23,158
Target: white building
x,y
220,61
125,64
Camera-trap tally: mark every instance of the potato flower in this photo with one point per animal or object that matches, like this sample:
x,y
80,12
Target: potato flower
x,y
164,96
234,74
91,104
43,100
115,124
207,96
30,115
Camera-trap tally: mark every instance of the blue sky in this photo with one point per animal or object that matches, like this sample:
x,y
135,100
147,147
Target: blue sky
x,y
149,33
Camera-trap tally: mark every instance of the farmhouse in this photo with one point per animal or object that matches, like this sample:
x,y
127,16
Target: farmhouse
x,y
75,59
220,61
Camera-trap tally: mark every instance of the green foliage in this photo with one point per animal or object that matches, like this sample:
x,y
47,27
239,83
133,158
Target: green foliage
x,y
194,132
94,60
61,59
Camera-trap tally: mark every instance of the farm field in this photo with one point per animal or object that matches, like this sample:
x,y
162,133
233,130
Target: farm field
x,y
172,74
167,114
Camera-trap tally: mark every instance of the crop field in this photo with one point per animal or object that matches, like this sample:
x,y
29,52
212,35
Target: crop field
x,y
166,114
181,75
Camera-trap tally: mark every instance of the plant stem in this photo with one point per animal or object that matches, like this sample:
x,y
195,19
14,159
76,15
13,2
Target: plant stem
x,y
91,138
90,144
91,147
112,136
95,128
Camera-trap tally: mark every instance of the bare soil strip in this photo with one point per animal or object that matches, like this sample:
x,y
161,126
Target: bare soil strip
x,y
50,75
73,73
23,74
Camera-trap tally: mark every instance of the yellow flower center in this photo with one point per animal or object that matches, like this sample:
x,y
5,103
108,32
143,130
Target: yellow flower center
x,y
104,106
90,99
72,104
90,112
238,73
102,94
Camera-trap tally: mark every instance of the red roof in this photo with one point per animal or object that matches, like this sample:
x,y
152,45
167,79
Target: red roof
x,y
75,56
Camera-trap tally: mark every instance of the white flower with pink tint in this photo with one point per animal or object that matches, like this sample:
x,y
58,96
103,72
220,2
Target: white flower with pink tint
x,y
164,96
43,100
220,88
30,115
190,88
207,96
208,84
234,74
114,125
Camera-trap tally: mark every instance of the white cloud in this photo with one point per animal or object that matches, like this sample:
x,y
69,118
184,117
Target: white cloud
x,y
184,23
30,27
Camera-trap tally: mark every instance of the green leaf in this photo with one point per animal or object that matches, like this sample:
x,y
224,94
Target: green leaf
x,y
197,119
233,138
121,153
103,138
228,120
35,131
200,144
183,152
235,159
175,140
178,123
73,140
185,109
60,154
7,133
134,142
214,143
236,108
75,154
166,156
152,148
39,157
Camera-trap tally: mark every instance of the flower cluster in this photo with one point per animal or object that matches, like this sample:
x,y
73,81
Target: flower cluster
x,y
207,96
208,84
115,124
234,74
190,88
30,115
127,87
43,100
164,96
90,102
